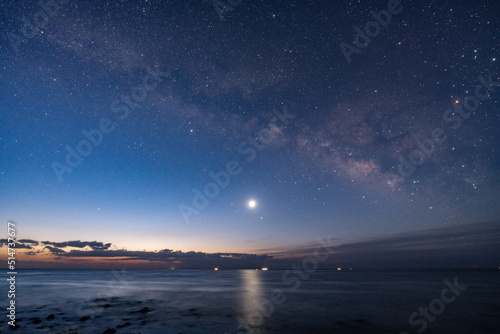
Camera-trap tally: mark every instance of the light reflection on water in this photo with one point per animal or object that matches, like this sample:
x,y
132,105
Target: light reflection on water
x,y
252,297
240,301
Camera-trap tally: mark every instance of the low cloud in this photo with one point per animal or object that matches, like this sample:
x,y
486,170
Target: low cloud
x,y
29,241
458,246
55,250
182,259
78,244
20,244
91,250
462,246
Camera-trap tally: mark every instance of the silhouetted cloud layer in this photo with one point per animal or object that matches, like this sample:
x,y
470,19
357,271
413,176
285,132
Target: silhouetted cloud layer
x,y
463,246
467,246
78,244
20,244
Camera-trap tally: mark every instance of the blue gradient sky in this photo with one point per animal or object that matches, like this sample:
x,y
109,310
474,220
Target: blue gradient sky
x,y
323,173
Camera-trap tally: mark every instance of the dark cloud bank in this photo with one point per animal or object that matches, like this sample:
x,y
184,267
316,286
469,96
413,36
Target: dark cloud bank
x,y
467,246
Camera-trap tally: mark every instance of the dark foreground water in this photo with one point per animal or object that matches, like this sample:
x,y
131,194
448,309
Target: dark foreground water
x,y
247,301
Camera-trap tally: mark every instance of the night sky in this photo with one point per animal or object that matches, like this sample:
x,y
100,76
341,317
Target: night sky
x,y
251,127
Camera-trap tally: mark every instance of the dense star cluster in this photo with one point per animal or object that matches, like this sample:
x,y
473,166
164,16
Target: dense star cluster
x,y
237,126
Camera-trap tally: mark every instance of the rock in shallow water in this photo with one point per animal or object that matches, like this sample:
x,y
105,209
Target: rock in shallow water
x,y
124,325
109,331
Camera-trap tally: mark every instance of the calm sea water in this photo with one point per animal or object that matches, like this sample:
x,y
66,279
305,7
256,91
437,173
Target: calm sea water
x,y
247,301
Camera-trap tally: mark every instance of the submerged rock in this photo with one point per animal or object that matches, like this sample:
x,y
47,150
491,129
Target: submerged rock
x,y
109,331
124,325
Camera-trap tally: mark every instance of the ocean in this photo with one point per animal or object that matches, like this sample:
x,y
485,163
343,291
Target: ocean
x,y
250,301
